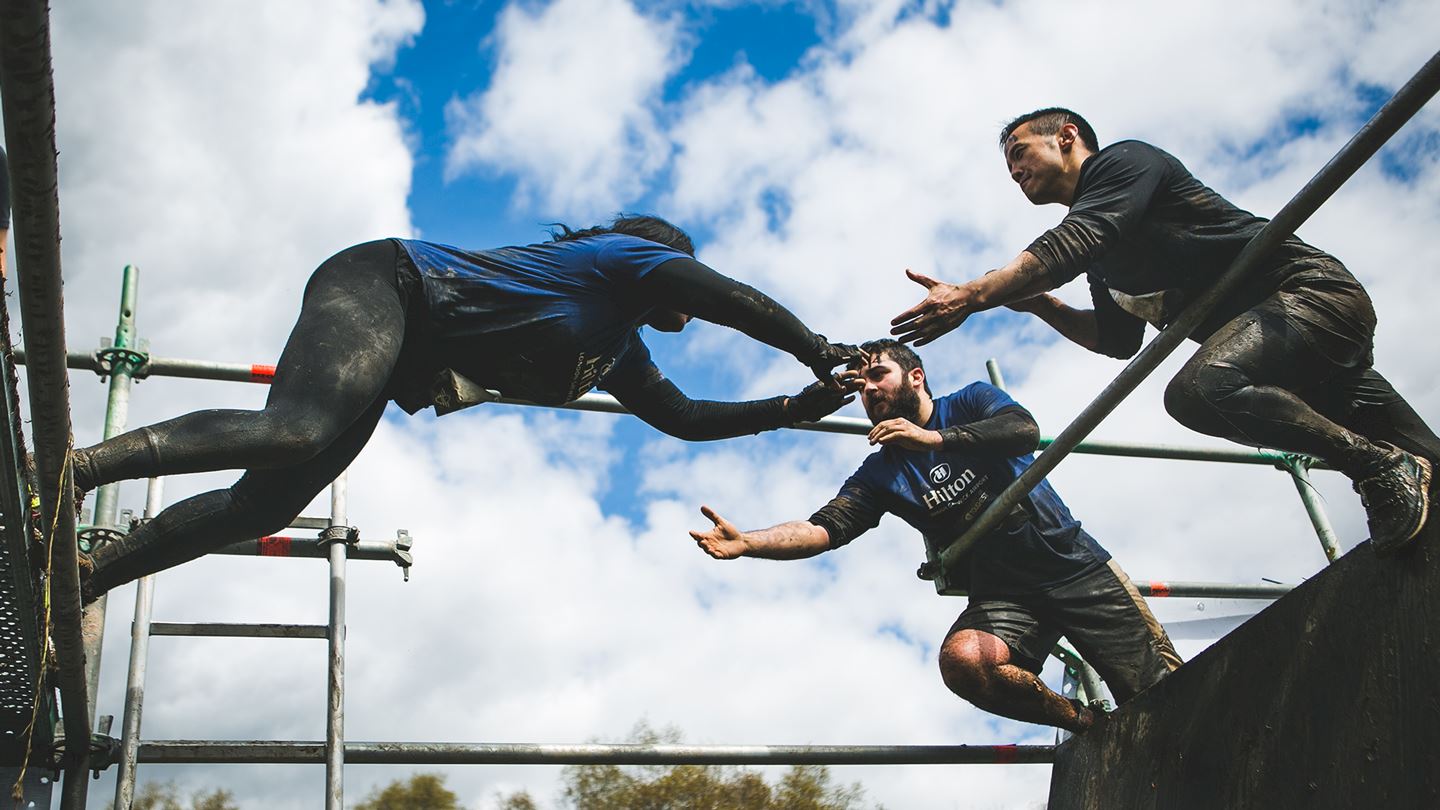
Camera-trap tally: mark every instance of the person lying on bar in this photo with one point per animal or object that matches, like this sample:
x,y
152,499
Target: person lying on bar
x,y
382,320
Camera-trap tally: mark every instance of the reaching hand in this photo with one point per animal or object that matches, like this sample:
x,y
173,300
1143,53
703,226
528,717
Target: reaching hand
x,y
724,541
817,400
945,307
906,434
828,355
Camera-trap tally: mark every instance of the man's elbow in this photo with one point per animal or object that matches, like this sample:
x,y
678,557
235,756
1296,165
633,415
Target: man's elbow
x,y
1118,349
1029,437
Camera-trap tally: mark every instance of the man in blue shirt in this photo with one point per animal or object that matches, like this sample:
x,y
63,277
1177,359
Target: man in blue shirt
x,y
1285,361
1038,577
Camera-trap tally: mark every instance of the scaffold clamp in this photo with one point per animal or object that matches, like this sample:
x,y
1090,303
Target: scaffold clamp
x,y
349,535
92,537
109,359
403,558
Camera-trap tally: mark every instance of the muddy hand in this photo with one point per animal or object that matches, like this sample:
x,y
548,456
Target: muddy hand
x,y
817,400
829,355
723,541
945,307
906,434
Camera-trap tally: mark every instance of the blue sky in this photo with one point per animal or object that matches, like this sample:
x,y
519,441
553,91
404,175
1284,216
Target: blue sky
x,y
816,150
454,54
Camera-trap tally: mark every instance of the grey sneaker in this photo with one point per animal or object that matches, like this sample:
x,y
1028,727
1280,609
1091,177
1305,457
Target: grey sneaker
x,y
1397,500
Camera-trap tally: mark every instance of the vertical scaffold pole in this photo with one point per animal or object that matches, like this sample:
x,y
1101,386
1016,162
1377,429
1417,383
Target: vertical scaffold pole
x,y
1299,468
335,719
123,361
135,680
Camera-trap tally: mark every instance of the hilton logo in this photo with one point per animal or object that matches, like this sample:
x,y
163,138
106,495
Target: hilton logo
x,y
940,473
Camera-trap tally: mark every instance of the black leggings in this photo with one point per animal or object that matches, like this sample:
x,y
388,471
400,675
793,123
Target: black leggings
x,y
327,397
1294,374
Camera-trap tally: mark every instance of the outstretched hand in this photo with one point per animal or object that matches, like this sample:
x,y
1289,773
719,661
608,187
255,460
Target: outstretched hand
x,y
723,541
829,355
819,399
945,307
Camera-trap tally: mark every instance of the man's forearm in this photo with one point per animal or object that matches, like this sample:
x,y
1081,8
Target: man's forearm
x,y
1023,277
1078,325
788,541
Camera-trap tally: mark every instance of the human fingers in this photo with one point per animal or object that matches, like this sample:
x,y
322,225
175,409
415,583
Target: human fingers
x,y
911,314
920,278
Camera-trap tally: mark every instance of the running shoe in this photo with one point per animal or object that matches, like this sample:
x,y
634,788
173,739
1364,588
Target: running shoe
x,y
1397,500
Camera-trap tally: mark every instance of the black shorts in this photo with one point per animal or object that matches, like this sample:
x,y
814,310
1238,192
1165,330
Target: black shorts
x,y
1330,312
1101,614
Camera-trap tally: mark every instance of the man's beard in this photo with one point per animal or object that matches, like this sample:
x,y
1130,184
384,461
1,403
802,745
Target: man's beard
x,y
905,404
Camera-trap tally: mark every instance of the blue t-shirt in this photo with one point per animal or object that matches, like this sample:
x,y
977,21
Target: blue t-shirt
x,y
542,322
941,493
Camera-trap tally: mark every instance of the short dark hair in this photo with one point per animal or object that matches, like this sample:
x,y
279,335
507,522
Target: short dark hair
x,y
1049,121
644,226
904,356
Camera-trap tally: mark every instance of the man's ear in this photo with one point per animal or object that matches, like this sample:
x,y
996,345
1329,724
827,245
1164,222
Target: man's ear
x,y
1067,136
917,377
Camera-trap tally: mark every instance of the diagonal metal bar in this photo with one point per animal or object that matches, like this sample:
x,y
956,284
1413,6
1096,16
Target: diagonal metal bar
x,y
1399,109
27,89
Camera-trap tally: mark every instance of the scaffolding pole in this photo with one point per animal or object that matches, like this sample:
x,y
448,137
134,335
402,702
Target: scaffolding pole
x,y
27,90
604,403
1400,108
139,658
338,538
379,753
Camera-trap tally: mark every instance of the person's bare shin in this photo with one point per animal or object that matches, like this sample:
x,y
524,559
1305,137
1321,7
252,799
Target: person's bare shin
x,y
977,666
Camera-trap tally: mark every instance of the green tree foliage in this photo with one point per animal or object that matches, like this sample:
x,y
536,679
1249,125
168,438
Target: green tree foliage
x,y
422,791
166,796
518,801
694,787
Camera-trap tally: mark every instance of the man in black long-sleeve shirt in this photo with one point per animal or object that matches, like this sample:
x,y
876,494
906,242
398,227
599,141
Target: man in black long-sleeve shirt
x,y
1285,361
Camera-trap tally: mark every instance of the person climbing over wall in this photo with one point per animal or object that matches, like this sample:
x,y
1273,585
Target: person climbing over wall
x,y
1036,577
379,321
1286,361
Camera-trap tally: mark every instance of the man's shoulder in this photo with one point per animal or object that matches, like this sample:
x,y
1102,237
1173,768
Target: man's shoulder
x,y
1131,152
977,392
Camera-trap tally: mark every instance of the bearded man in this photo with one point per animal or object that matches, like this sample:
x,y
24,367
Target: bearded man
x,y
1037,577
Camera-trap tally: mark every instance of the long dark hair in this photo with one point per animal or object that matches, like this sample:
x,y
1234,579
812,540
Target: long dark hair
x,y
644,226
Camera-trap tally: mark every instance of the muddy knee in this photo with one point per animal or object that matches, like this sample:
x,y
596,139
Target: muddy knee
x,y
967,663
1202,391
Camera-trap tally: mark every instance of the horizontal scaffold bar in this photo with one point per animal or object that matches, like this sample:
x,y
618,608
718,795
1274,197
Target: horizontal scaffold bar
x,y
374,753
1212,590
603,403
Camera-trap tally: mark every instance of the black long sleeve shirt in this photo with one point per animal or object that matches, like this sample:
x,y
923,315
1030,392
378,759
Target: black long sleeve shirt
x,y
1150,237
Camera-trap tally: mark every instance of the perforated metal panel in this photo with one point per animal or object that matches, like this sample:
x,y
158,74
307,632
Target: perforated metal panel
x,y
19,636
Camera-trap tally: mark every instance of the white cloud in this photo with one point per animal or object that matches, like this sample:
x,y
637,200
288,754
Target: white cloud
x,y
195,143
571,108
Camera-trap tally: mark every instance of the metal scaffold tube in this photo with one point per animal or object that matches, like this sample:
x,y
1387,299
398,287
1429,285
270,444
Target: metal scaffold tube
x,y
377,753
135,678
604,403
27,90
335,713
123,360
1400,108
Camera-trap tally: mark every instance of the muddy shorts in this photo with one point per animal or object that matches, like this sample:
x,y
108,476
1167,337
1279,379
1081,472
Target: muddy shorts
x,y
1101,614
